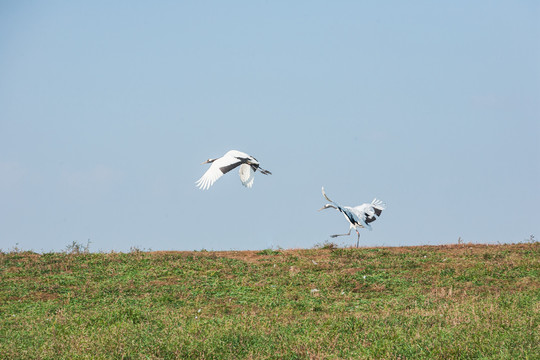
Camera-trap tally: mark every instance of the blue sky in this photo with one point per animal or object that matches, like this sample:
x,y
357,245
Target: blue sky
x,y
107,110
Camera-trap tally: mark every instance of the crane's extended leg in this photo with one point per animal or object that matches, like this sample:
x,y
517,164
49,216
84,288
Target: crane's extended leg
x,y
336,235
358,239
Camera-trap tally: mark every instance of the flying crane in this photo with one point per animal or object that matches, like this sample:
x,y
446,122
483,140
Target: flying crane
x,y
231,160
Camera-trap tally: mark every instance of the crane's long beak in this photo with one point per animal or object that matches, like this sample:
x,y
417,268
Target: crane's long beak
x,y
327,206
208,161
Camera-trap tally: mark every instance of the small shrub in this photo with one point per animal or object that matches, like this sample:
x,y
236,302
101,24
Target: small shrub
x,y
268,252
77,248
327,245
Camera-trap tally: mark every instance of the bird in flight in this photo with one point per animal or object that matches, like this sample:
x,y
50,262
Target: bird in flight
x,y
232,159
358,216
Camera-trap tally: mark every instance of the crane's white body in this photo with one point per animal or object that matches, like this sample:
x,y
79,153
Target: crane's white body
x,y
359,216
231,160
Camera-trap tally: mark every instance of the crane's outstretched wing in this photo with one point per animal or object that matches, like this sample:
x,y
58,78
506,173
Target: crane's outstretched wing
x,y
374,210
378,206
370,212
247,175
219,167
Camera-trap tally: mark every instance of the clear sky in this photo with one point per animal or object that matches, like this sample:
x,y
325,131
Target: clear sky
x,y
107,110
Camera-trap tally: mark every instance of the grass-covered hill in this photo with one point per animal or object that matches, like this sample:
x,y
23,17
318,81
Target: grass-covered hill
x,y
429,302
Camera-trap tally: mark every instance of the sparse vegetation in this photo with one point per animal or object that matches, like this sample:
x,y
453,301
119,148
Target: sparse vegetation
x,y
78,248
327,245
268,252
451,302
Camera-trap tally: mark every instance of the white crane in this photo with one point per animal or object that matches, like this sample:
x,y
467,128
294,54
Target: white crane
x,y
232,159
358,216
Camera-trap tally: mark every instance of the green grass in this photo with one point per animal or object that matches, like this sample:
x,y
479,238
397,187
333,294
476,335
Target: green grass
x,y
446,302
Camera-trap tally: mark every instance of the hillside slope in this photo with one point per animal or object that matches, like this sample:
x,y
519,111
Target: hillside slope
x,y
455,302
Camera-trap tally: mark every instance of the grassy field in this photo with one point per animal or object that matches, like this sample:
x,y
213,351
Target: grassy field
x,y
429,302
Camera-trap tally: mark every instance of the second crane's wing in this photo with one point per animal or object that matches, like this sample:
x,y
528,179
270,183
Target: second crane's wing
x,y
247,175
370,212
376,206
219,167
